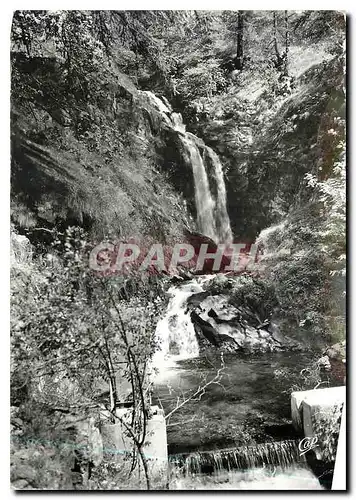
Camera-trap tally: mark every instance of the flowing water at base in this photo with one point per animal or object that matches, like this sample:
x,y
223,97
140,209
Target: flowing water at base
x,y
254,392
238,434
262,478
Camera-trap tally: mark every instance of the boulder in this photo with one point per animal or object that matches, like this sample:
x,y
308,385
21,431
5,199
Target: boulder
x,y
205,329
196,240
337,351
336,355
222,325
194,300
23,471
21,484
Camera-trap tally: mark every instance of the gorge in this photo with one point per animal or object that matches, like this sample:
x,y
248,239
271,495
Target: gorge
x,y
196,323
154,129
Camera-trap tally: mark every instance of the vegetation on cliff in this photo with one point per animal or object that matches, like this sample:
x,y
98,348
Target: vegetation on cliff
x,y
91,159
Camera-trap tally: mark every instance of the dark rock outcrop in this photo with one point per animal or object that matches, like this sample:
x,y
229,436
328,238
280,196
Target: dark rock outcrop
x,y
197,240
337,358
219,324
206,330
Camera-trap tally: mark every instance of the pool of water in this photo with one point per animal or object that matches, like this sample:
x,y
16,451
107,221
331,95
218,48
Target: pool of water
x,y
250,403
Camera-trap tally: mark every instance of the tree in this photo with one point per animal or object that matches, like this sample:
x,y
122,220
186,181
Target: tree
x,y
279,61
287,42
239,62
72,333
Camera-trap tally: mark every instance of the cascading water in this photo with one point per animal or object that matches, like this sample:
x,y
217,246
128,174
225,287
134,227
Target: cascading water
x,y
267,466
175,332
204,202
221,216
277,453
212,217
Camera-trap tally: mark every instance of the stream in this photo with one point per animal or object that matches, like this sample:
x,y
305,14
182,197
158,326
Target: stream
x,y
237,433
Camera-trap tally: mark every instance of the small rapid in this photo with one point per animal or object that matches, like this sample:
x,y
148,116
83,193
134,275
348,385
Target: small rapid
x,y
268,478
175,332
274,465
277,453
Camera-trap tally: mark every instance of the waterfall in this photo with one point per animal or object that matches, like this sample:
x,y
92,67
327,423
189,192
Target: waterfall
x,y
221,215
175,332
276,453
204,202
212,217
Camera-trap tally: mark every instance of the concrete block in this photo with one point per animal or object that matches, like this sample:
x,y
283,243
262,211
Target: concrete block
x,y
155,447
316,413
117,443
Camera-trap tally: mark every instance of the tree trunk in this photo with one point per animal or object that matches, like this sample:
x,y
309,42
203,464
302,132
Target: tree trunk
x,y
145,467
240,40
287,42
113,394
275,42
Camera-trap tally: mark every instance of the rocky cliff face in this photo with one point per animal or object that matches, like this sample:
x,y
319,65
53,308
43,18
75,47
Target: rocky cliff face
x,y
95,164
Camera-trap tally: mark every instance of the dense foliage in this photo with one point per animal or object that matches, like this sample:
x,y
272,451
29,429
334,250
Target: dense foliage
x,y
80,342
264,89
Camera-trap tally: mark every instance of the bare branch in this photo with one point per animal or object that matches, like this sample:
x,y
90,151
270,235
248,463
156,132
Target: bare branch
x,y
199,392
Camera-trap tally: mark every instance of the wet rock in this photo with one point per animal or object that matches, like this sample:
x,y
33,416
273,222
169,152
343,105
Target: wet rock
x,y
275,331
212,314
184,274
264,334
177,279
215,338
195,299
196,240
230,328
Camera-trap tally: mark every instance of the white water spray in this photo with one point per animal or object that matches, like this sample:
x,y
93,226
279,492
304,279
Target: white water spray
x,y
204,202
175,332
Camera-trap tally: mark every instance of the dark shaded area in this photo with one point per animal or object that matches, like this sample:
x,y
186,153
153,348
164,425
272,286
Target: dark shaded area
x,y
324,471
